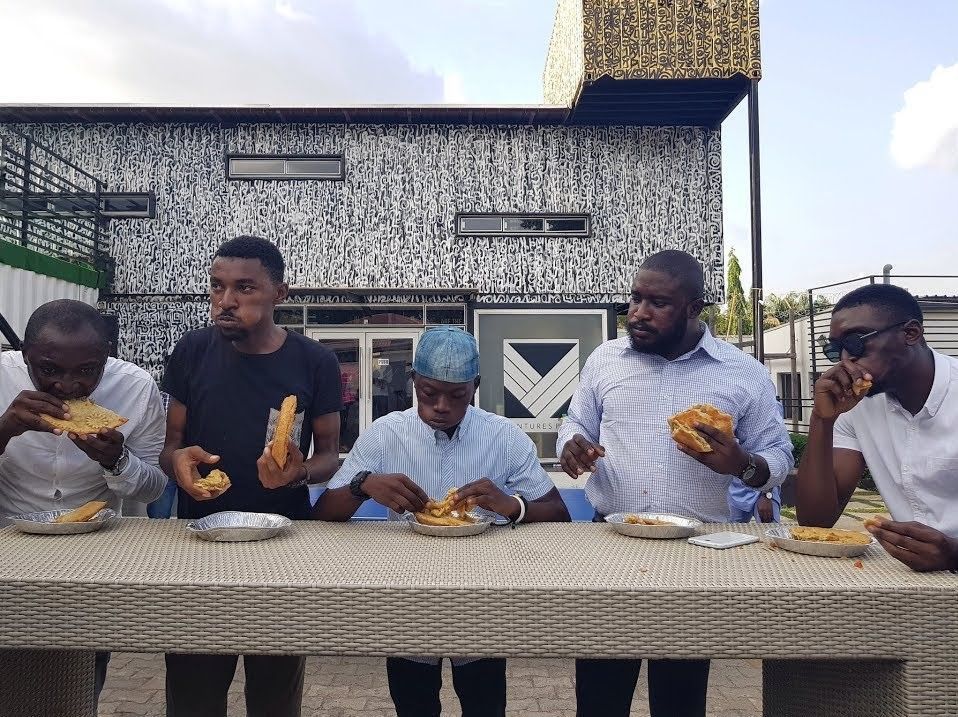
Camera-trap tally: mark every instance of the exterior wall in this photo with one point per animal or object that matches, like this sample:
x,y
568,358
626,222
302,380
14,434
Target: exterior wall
x,y
651,39
390,223
22,291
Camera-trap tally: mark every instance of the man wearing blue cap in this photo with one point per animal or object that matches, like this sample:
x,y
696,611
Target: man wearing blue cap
x,y
408,456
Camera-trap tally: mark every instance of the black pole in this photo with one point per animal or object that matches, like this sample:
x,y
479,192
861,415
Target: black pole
x,y
756,196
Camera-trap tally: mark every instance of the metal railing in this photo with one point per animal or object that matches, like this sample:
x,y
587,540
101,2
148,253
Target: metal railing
x,y
49,204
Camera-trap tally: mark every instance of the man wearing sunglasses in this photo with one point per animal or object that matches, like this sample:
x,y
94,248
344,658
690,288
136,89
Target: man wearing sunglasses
x,y
902,429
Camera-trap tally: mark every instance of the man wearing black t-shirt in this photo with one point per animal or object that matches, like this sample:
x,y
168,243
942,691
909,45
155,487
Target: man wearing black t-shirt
x,y
226,384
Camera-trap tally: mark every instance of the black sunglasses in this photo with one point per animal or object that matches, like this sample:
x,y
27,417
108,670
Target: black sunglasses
x,y
854,344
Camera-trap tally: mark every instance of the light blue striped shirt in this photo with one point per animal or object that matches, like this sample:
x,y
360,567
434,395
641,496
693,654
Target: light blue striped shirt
x,y
623,402
484,446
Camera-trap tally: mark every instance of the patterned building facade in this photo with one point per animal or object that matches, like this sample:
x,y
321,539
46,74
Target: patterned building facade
x,y
390,223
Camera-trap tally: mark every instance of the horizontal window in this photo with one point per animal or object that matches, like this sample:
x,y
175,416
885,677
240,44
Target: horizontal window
x,y
139,205
524,224
254,166
113,205
444,315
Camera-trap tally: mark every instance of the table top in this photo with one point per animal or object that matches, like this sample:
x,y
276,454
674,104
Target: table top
x,y
556,589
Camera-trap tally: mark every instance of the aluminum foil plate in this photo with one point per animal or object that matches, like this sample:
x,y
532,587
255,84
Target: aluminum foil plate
x,y
42,523
679,526
782,537
450,531
234,526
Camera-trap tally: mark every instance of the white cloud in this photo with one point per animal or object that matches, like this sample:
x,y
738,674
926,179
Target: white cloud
x,y
205,52
925,131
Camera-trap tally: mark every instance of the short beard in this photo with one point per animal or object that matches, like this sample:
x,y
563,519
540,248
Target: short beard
x,y
237,334
664,343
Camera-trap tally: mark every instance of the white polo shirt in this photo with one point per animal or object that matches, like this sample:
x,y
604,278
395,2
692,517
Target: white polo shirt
x,y
913,459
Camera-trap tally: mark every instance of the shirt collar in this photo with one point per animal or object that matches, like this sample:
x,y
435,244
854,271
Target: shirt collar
x,y
707,343
940,385
428,431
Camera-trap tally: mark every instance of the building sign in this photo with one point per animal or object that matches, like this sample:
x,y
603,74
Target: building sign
x,y
539,377
530,360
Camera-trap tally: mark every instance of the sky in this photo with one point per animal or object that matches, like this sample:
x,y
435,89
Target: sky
x,y
858,101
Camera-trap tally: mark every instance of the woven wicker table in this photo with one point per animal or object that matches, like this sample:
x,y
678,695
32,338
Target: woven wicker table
x,y
875,640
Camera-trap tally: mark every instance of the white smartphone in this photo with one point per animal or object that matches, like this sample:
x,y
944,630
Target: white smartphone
x,y
723,540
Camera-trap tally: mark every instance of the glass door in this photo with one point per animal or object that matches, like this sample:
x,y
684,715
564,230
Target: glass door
x,y
391,363
349,351
375,375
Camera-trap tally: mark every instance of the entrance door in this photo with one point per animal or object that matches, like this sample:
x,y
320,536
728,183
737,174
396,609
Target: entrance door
x,y
376,373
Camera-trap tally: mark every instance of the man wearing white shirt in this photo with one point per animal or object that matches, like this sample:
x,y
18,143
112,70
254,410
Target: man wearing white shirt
x,y
902,429
66,355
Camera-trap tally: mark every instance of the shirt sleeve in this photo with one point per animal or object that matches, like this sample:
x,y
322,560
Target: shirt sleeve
x,y
328,396
585,410
762,431
176,376
366,455
844,435
527,477
142,479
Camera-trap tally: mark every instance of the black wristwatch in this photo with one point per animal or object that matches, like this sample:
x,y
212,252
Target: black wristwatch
x,y
356,485
749,471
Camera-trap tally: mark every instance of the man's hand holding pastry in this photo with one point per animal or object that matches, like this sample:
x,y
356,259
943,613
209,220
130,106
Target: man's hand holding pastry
x,y
24,414
840,389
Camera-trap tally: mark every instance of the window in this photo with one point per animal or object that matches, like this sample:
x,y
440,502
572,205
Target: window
x,y
79,205
452,316
578,225
137,205
283,166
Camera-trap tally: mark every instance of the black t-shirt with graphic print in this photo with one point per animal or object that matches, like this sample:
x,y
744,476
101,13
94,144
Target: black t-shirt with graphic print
x,y
232,400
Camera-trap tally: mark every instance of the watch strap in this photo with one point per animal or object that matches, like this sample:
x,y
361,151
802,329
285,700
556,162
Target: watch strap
x,y
356,485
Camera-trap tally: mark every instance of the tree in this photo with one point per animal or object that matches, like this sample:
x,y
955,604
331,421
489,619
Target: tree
x,y
797,301
738,310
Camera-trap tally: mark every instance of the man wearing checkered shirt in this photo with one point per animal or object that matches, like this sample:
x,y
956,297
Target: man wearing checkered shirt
x,y
617,429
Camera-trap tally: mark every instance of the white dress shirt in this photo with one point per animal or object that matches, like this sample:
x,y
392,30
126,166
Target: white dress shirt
x,y
42,471
623,403
913,459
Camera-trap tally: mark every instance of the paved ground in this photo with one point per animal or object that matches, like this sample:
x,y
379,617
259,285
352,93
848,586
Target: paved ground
x,y
349,687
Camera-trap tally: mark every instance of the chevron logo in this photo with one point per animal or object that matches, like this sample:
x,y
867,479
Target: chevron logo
x,y
539,377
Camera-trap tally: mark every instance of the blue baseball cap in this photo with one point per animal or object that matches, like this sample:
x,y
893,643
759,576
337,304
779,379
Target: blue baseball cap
x,y
446,353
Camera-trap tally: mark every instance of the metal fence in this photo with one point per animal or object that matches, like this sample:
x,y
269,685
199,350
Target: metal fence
x,y
938,296
49,204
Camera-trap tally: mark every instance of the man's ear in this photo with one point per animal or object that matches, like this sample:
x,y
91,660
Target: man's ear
x,y
914,332
282,292
695,308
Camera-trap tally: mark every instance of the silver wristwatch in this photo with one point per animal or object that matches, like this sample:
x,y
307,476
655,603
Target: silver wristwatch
x,y
121,465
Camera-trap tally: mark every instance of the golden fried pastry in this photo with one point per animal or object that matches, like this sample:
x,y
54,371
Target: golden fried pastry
x,y
85,418
216,482
683,426
830,535
284,431
82,514
873,522
861,386
638,520
445,520
447,511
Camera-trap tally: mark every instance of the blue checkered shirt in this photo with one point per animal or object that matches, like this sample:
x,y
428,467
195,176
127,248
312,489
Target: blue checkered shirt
x,y
623,402
484,446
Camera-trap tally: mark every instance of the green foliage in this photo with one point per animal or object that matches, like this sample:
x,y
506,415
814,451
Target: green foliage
x,y
797,301
738,309
800,442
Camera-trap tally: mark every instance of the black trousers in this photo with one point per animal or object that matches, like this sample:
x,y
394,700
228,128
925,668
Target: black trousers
x,y
480,686
100,662
196,685
677,688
